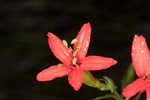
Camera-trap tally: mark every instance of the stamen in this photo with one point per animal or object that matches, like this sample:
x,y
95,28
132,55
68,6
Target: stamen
x,y
59,65
65,43
73,41
74,61
70,49
76,51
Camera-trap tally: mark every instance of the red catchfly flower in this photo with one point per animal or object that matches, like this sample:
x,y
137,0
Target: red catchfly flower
x,y
141,61
74,60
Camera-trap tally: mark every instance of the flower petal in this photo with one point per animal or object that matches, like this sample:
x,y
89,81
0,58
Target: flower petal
x,y
140,55
53,72
97,63
59,49
83,40
138,85
148,92
75,78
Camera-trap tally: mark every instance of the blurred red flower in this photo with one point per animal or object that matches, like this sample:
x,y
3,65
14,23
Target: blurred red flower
x,y
141,61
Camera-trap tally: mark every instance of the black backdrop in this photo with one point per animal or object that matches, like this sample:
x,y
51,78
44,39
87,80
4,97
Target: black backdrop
x,y
24,49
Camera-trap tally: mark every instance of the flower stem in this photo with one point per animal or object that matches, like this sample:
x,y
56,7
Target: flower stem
x,y
126,99
104,97
118,96
107,85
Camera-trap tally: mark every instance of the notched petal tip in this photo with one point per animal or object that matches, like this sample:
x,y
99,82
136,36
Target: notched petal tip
x,y
87,25
138,38
50,34
76,88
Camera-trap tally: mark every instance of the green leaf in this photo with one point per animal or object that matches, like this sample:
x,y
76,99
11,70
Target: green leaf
x,y
128,76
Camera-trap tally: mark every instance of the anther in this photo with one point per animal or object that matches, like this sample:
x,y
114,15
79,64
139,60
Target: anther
x,y
70,49
73,41
65,43
59,65
74,61
76,51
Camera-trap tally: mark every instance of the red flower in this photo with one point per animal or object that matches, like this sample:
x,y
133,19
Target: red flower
x,y
74,61
141,61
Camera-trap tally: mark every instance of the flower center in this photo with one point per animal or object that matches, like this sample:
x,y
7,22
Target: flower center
x,y
74,52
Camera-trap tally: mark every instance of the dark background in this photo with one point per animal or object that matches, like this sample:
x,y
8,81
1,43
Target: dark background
x,y
24,49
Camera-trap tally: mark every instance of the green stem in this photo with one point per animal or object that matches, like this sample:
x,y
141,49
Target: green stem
x,y
109,85
118,96
126,99
104,97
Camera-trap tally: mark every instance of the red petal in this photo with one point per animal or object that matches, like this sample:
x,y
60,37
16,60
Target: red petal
x,y
140,55
59,49
97,63
75,78
83,40
53,72
138,85
148,92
